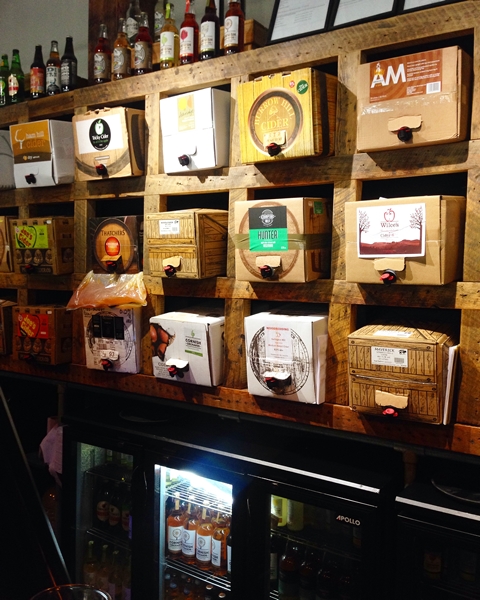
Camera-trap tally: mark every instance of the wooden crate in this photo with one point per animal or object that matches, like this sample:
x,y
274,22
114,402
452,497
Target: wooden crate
x,y
191,242
293,111
415,389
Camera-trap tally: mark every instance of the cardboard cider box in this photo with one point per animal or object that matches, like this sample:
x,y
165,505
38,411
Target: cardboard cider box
x,y
187,346
414,100
287,115
7,179
188,244
43,245
113,338
5,246
6,326
43,153
42,334
116,244
403,370
286,355
195,130
291,237
420,239
109,142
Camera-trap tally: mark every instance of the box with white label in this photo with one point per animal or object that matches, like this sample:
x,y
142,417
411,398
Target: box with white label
x,y
286,355
187,244
188,346
195,130
112,339
403,371
414,240
109,142
43,153
414,100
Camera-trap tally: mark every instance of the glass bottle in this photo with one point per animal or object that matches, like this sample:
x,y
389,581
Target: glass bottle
x,y
229,554
143,48
189,35
294,515
103,573
169,40
158,19
233,41
289,572
90,565
133,21
219,546
52,69
209,32
274,556
175,531
121,55
4,74
204,543
127,581
68,67
37,75
189,537
308,573
115,577
16,80
279,509
102,57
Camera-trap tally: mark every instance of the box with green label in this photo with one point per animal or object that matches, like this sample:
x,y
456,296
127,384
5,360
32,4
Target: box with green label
x,y
287,115
286,240
42,245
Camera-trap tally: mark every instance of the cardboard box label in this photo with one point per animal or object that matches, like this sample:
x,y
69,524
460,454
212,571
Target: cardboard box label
x,y
186,112
391,231
169,227
278,344
194,340
393,357
393,333
412,75
33,326
268,229
100,133
31,142
31,236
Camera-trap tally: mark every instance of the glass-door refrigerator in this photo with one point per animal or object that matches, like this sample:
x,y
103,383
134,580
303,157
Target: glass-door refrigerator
x,y
223,508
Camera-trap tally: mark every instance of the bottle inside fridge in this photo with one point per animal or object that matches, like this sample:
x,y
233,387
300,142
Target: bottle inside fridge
x,y
195,516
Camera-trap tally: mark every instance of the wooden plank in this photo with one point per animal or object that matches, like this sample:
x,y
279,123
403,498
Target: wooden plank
x,y
341,322
121,187
346,128
344,191
471,261
51,106
475,115
235,351
468,410
84,210
154,155
78,338
234,196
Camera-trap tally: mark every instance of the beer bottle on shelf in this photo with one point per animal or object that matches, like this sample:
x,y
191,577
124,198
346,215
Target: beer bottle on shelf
x,y
37,75
4,74
103,572
234,26
133,21
52,69
68,67
209,592
16,80
289,572
115,577
209,32
102,505
158,19
90,565
121,58
220,534
102,57
189,537
169,40
189,35
175,531
327,579
143,48
348,584
308,574
203,553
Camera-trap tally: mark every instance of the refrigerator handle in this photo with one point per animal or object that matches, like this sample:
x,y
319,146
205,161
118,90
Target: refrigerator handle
x,y
139,491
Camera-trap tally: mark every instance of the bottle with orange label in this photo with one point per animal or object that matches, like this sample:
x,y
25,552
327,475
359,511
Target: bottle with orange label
x,y
219,544
189,539
175,522
203,552
37,75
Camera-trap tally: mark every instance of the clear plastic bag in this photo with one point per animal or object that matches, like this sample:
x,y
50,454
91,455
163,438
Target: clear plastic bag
x,y
103,290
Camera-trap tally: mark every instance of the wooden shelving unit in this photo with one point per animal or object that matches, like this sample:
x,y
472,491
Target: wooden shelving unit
x,y
347,174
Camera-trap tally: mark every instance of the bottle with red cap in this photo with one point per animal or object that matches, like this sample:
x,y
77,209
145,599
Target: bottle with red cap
x,y
189,35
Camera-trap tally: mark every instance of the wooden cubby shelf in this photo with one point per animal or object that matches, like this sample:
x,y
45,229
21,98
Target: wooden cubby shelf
x,y
346,177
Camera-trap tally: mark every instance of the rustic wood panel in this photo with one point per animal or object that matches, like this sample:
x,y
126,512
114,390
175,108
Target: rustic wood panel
x,y
234,196
235,350
78,338
471,261
475,121
345,191
341,322
469,377
84,210
122,187
346,139
154,154
51,107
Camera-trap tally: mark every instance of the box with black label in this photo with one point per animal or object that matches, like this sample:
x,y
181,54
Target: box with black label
x,y
112,339
43,245
187,244
286,240
109,142
116,244
42,334
287,115
405,371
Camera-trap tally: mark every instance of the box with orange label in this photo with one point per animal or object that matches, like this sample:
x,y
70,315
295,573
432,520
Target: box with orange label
x,y
42,153
287,115
116,244
109,142
42,334
43,245
414,100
